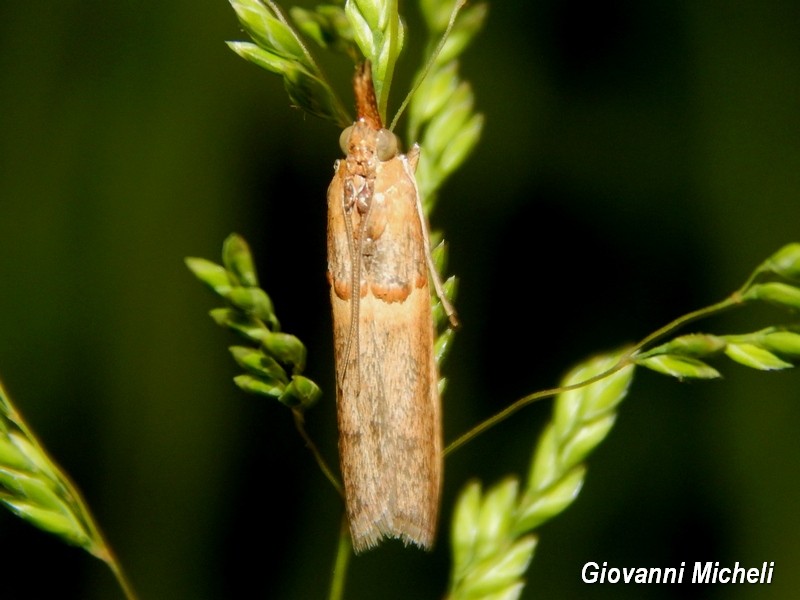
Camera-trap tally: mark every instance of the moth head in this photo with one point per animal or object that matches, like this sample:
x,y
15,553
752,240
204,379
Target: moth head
x,y
387,145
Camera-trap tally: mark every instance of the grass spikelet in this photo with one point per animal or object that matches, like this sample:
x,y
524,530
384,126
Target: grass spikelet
x,y
492,541
37,490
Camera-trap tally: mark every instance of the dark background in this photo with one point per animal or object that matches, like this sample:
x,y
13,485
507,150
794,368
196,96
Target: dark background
x,y
639,159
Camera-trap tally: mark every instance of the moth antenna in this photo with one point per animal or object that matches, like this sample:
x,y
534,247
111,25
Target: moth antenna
x,y
355,296
438,285
429,65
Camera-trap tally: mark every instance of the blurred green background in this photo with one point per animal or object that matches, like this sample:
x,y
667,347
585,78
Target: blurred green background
x,y
639,159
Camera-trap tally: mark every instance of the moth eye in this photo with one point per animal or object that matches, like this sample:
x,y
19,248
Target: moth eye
x,y
344,139
386,145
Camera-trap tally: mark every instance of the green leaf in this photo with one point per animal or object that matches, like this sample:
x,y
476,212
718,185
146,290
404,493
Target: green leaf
x,y
287,349
327,25
465,528
566,413
267,31
497,571
254,385
211,274
461,146
468,23
306,91
695,345
238,260
450,287
511,592
447,123
35,489
439,254
682,367
35,456
265,59
584,440
442,344
545,464
496,517
301,392
254,301
437,13
10,454
438,248
537,507
32,488
5,404
248,327
575,408
605,395
786,261
755,357
259,364
313,95
781,341
775,292
250,309
63,525
438,87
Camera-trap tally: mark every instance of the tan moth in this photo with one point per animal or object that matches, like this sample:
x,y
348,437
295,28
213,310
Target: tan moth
x,y
389,413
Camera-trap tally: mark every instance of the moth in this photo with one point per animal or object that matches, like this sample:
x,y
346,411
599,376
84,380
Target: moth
x,y
388,406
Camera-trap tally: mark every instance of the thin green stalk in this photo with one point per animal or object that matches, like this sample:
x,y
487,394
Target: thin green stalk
x,y
299,423
122,579
730,302
716,308
340,565
525,401
434,55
